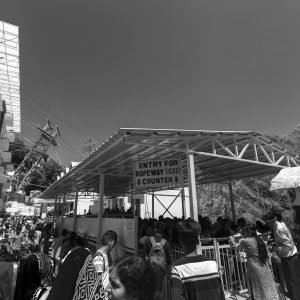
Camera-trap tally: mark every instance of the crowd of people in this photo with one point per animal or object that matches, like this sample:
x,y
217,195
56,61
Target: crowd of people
x,y
262,243
60,265
21,235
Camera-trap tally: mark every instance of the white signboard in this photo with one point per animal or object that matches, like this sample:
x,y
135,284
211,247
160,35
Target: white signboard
x,y
157,173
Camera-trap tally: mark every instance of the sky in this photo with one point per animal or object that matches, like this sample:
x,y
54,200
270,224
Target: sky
x,y
94,66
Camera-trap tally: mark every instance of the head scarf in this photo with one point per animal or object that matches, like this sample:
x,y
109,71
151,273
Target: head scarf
x,y
32,275
46,266
77,278
89,285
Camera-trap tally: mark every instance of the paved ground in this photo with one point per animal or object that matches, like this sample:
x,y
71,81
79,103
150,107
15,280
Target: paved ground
x,y
240,297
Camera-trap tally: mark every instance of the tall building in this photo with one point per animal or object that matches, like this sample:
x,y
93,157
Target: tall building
x,y
10,75
10,117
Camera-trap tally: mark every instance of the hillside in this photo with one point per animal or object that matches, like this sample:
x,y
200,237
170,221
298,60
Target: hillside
x,y
252,199
252,196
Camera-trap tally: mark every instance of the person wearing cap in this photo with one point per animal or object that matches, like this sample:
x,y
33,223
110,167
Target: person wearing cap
x,y
286,249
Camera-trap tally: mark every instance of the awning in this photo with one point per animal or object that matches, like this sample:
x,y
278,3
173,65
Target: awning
x,y
219,156
287,178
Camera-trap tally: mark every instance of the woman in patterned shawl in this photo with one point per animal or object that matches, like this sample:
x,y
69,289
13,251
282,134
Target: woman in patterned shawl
x,y
33,277
77,278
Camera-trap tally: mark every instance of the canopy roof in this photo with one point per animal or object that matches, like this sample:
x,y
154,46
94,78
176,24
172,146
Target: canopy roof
x,y
219,156
287,178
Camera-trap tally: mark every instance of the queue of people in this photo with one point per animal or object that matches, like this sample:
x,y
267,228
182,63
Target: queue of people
x,y
54,267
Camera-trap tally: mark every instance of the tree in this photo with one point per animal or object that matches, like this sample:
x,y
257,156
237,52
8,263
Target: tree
x,y
18,151
88,146
44,175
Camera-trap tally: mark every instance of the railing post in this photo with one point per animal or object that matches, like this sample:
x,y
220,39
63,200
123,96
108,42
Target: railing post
x,y
217,252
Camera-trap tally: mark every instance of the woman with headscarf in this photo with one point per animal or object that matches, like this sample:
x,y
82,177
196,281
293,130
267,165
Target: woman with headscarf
x,y
77,278
260,275
33,277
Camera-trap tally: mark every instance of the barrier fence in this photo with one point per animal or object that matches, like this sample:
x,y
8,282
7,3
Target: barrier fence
x,y
232,265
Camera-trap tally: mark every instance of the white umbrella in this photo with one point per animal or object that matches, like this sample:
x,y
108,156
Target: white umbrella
x,y
288,178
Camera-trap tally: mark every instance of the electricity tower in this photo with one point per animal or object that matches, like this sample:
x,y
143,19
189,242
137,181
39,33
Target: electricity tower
x,y
47,138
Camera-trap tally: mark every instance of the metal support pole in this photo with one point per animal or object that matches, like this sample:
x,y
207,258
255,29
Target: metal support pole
x,y
41,209
54,210
135,227
192,185
153,198
75,210
100,212
183,197
58,217
136,233
62,213
59,207
232,201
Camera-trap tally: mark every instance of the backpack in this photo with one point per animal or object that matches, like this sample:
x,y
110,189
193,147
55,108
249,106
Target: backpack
x,y
157,256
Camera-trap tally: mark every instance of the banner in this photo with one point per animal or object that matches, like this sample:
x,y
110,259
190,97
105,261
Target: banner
x,y
157,173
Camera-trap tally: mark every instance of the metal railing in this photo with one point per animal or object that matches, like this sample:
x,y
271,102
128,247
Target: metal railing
x,y
232,265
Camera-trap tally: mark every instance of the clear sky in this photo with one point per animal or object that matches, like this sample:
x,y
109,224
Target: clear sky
x,y
93,66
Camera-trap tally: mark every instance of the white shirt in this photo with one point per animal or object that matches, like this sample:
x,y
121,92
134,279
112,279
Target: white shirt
x,y
284,240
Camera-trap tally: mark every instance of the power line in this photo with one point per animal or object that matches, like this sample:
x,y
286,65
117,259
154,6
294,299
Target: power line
x,y
28,140
58,117
33,108
69,153
24,119
69,149
70,146
57,157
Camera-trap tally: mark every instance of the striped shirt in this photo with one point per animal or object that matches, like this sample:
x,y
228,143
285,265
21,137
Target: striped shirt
x,y
196,277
